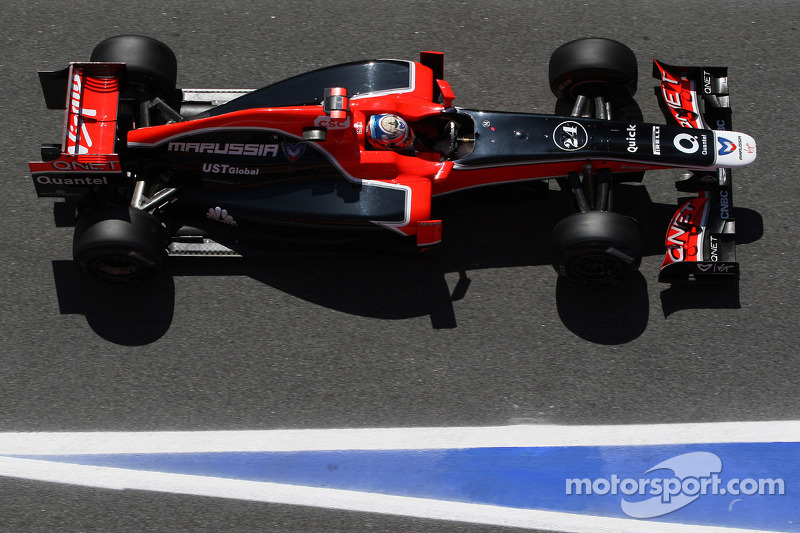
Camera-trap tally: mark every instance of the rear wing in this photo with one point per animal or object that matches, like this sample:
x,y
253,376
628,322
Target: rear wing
x,y
86,161
701,238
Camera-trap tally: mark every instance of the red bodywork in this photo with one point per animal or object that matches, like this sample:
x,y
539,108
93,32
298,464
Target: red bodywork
x,y
88,148
346,142
678,93
95,149
424,174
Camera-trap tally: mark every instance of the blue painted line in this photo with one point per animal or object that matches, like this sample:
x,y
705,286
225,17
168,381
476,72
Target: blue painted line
x,y
533,477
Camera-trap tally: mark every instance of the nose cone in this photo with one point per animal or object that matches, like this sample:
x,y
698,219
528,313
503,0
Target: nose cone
x,y
734,149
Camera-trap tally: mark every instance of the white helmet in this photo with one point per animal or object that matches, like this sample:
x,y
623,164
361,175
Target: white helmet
x,y
389,132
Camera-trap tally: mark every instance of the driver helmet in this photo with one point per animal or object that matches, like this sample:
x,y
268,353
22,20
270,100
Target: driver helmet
x,y
389,132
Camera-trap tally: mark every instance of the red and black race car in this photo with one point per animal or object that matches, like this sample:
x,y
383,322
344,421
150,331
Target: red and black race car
x,y
155,170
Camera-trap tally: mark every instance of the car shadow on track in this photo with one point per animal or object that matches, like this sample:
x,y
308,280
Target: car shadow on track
x,y
484,229
606,314
677,297
131,314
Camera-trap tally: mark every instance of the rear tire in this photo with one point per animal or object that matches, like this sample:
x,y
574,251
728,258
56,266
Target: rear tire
x,y
593,67
119,244
149,62
597,247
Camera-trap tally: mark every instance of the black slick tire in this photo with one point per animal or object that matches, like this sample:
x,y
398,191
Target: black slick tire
x,y
593,67
118,243
149,62
596,247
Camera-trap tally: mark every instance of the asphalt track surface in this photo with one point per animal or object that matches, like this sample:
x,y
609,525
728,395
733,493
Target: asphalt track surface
x,y
489,337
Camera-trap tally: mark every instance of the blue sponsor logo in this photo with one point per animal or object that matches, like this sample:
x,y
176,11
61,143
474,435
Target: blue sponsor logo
x,y
293,152
726,146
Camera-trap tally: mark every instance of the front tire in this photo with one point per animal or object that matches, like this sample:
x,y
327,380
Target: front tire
x,y
593,67
120,244
597,247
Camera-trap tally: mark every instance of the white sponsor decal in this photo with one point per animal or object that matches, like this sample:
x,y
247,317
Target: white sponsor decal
x,y
695,474
99,166
213,168
52,180
331,123
245,149
631,138
570,136
656,140
220,215
76,129
680,143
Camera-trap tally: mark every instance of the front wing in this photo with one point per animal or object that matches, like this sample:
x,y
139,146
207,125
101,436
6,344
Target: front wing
x,y
701,237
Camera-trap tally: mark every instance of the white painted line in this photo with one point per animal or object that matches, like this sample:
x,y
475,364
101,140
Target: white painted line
x,y
119,479
395,438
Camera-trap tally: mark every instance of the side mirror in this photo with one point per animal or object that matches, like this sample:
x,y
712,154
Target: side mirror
x,y
336,104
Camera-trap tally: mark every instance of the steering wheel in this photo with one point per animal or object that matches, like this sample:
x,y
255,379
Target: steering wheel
x,y
453,129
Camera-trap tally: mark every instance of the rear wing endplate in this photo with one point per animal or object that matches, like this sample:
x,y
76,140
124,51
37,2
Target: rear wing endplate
x,y
86,162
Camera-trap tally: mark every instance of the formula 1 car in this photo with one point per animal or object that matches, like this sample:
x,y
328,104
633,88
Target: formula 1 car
x,y
157,171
